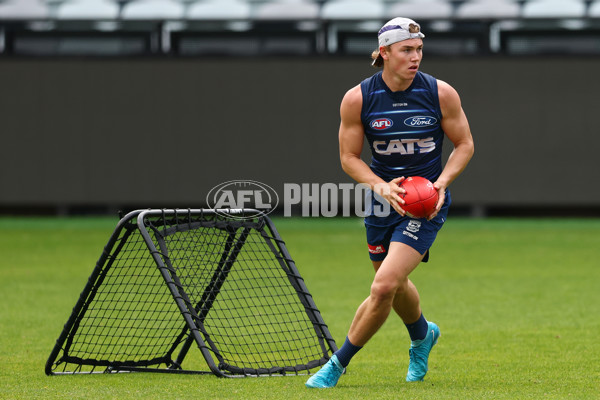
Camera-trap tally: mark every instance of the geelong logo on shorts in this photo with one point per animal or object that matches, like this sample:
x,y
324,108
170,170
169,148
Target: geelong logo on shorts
x,y
413,226
381,123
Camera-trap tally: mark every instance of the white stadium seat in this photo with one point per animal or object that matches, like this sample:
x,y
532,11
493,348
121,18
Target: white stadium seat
x,y
554,9
422,9
352,9
23,9
493,9
219,9
153,9
88,9
287,9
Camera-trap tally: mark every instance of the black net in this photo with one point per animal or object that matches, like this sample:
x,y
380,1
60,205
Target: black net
x,y
181,280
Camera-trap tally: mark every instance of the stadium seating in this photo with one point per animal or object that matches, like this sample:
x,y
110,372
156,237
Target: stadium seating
x,y
88,9
153,9
349,16
554,9
287,9
23,9
594,10
488,9
340,26
352,10
219,9
299,9
423,9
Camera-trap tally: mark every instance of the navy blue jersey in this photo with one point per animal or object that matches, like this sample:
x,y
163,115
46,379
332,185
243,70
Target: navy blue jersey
x,y
403,128
405,135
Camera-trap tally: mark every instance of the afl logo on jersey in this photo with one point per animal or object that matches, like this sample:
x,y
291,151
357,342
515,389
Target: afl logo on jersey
x,y
420,121
381,123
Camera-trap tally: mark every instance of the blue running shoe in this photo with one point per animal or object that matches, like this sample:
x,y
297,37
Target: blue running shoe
x,y
327,376
419,353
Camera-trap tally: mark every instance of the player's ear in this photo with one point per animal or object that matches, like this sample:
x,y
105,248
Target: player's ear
x,y
384,52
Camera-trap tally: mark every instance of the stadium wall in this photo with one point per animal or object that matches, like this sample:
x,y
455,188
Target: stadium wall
x,y
111,133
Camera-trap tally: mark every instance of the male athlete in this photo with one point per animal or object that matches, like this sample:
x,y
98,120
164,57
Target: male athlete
x,y
404,115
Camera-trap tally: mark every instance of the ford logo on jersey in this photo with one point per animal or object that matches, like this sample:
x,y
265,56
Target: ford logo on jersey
x,y
381,123
420,121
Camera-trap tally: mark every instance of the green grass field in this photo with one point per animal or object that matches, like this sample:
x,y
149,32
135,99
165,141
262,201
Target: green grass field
x,y
517,300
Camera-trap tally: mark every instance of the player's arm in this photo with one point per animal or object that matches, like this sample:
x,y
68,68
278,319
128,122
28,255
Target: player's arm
x,y
456,128
351,138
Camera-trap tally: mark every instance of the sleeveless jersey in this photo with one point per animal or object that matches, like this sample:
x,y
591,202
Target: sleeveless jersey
x,y
403,128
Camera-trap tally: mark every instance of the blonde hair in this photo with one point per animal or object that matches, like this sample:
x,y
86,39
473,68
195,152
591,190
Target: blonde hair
x,y
377,59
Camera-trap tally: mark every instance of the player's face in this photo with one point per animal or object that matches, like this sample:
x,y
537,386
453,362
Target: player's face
x,y
403,58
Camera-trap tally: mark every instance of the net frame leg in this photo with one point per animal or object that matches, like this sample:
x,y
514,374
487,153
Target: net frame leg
x,y
321,329
175,287
228,257
88,293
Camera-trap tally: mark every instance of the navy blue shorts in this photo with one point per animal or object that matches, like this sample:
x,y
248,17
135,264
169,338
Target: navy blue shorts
x,y
418,233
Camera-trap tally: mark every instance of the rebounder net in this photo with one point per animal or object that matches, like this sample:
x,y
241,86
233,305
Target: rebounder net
x,y
170,281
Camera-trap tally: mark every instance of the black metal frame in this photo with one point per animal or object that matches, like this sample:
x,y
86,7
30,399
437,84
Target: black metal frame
x,y
192,314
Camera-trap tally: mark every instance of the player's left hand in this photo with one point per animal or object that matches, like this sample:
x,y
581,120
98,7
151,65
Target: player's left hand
x,y
441,189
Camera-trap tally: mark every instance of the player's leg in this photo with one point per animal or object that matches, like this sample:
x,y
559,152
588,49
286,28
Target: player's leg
x,y
391,276
390,280
406,301
407,306
423,334
398,293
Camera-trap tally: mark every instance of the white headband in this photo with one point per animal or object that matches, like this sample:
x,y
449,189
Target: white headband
x,y
399,29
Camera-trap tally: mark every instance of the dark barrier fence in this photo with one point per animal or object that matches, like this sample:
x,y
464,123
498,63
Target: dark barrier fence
x,y
110,133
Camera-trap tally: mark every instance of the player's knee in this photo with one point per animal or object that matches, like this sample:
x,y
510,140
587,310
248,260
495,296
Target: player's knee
x,y
383,292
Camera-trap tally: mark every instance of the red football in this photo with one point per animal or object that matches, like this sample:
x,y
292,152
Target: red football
x,y
420,197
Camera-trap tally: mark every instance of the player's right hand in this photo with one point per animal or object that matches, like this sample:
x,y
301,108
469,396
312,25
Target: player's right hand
x,y
391,192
